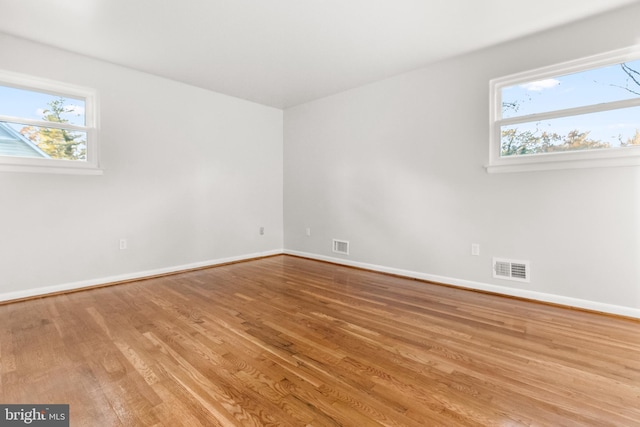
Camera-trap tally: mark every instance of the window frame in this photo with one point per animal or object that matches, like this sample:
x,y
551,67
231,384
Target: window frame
x,y
619,156
90,166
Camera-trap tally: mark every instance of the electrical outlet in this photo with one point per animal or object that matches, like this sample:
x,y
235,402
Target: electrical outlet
x,y
308,231
475,249
262,231
123,244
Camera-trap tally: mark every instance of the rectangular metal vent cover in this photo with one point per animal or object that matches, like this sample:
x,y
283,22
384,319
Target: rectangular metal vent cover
x,y
510,269
341,246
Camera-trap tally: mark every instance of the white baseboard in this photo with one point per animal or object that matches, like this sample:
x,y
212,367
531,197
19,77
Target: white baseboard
x,y
8,296
521,293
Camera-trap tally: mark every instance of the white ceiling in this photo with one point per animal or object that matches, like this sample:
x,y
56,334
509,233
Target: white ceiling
x,y
283,52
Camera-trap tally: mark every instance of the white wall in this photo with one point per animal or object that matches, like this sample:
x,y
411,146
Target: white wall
x,y
396,168
189,177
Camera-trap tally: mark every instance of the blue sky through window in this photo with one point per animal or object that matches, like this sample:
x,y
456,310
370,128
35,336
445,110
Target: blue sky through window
x,y
30,104
590,87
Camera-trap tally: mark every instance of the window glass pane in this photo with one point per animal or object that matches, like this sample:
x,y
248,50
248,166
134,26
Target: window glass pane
x,y
606,84
40,142
607,129
41,106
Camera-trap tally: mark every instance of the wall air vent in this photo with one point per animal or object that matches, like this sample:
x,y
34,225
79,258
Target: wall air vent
x,y
510,269
341,246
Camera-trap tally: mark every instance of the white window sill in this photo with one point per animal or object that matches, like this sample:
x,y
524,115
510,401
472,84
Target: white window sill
x,y
536,164
51,169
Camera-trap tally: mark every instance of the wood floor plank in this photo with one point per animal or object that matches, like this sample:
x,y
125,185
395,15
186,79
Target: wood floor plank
x,y
285,341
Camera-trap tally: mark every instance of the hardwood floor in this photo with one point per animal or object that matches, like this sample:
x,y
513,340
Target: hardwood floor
x,y
285,341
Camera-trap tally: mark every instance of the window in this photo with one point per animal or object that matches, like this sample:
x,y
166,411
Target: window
x,y
584,113
47,126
